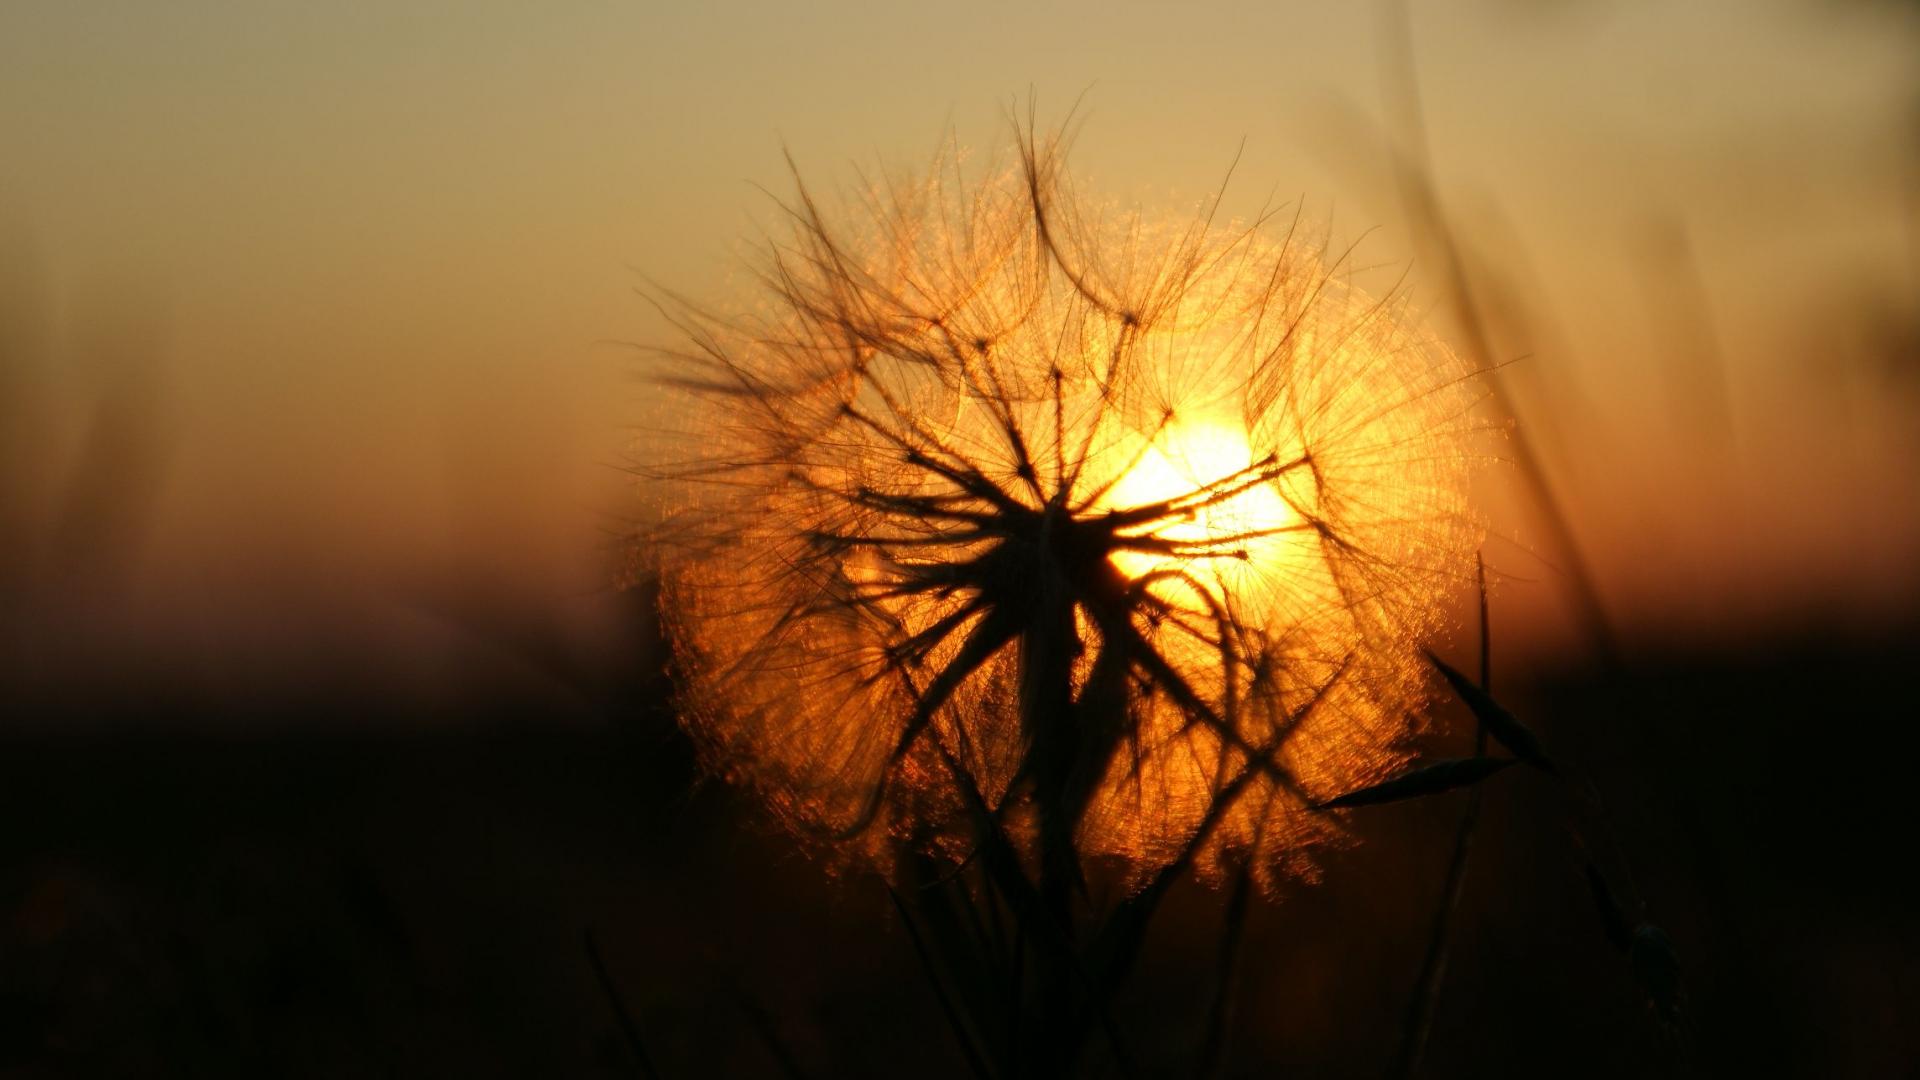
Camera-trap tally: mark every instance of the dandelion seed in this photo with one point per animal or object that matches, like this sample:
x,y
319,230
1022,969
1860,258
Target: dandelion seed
x,y
1132,531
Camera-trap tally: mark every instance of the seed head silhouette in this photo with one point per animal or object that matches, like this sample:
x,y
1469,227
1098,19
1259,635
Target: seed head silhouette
x,y
1006,505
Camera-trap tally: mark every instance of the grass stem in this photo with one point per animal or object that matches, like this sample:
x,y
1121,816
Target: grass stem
x,y
627,1026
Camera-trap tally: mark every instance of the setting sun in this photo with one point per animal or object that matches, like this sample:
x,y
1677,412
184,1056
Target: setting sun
x,y
1251,527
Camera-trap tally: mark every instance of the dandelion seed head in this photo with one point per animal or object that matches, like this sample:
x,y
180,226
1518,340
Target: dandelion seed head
x,y
979,427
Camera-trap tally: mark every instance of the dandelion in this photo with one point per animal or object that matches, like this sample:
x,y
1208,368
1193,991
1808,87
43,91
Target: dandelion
x,y
1011,518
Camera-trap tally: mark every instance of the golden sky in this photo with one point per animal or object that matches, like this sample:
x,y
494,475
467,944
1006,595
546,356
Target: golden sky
x,y
350,263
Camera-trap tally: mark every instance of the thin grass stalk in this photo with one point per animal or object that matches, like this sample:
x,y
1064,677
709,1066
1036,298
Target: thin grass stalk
x,y
955,1022
1213,1053
628,1028
1417,191
1415,177
763,1028
1433,965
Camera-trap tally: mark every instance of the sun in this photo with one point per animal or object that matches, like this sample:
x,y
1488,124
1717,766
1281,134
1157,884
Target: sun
x,y
1255,530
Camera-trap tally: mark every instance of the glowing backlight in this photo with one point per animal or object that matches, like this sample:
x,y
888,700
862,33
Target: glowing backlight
x,y
1130,531
1251,528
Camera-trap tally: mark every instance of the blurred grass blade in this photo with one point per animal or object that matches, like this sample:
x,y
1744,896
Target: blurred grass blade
x,y
1425,780
1619,931
1213,1052
1501,724
627,1026
763,1027
961,1033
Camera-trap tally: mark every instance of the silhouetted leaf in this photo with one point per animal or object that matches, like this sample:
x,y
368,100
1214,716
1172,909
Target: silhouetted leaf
x,y
1425,780
1500,723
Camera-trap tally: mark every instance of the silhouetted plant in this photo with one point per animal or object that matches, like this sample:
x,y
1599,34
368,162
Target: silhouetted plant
x,y
1037,553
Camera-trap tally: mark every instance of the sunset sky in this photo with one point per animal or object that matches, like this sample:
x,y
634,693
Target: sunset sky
x,y
355,269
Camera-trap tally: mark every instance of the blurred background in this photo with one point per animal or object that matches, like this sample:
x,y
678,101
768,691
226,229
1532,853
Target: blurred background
x,y
326,730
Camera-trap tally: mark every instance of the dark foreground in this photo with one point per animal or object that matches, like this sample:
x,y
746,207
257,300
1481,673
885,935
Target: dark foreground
x,y
419,904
